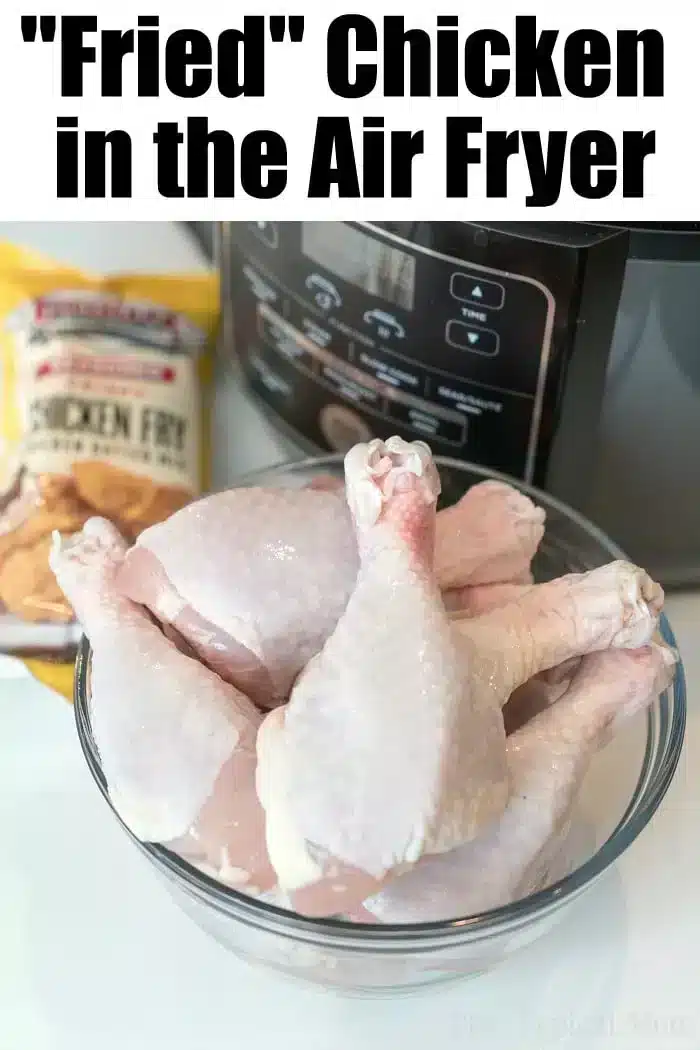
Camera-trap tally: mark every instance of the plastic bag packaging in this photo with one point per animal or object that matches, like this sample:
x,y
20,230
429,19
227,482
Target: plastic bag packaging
x,y
105,387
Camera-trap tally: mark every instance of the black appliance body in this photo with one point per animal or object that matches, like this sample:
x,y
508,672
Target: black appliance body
x,y
565,355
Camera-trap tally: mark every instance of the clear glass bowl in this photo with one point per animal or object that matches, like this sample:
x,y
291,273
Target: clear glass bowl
x,y
621,792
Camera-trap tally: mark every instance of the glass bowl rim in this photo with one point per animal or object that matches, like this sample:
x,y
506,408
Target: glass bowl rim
x,y
257,911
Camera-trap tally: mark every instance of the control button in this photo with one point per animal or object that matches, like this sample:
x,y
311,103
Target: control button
x,y
465,397
321,332
430,424
265,232
385,325
346,387
259,286
468,337
469,289
270,379
325,294
284,340
500,423
314,332
343,428
390,370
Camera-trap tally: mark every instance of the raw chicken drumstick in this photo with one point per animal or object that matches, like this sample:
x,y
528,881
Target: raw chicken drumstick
x,y
615,606
256,579
170,733
539,691
548,759
489,536
464,602
587,604
382,754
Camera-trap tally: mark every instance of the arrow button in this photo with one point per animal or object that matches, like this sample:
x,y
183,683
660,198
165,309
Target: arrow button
x,y
469,337
470,289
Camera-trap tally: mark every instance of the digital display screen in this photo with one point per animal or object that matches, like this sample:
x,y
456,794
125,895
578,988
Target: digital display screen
x,y
364,261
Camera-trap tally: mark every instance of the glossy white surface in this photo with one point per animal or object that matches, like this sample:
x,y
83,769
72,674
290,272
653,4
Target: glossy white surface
x,y
93,954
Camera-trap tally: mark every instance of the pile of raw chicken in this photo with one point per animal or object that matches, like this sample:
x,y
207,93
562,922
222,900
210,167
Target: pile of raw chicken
x,y
338,698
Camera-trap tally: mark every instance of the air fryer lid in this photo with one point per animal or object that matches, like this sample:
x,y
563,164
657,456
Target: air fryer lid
x,y
675,241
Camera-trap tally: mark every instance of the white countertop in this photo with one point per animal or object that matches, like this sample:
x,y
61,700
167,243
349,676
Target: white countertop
x,y
93,954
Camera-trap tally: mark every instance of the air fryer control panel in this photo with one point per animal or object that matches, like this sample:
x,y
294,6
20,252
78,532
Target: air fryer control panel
x,y
451,333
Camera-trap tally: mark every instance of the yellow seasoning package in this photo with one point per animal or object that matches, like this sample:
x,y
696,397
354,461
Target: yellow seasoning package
x,y
105,393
